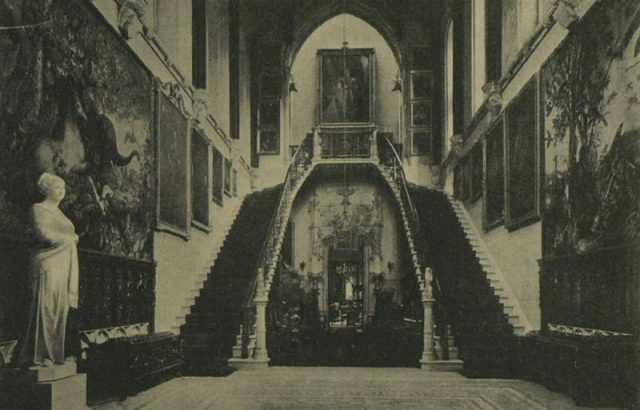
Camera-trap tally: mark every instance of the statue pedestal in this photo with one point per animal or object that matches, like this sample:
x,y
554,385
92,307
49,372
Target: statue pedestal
x,y
56,387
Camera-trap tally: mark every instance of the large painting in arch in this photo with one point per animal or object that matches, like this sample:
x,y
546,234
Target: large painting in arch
x,y
346,86
591,91
174,177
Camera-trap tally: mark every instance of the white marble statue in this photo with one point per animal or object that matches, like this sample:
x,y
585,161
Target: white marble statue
x,y
54,271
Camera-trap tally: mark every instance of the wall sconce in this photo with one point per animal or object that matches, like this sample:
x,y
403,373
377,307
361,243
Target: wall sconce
x,y
390,266
292,85
314,278
397,85
302,265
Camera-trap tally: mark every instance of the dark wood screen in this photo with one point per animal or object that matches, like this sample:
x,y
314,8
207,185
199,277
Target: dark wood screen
x,y
114,290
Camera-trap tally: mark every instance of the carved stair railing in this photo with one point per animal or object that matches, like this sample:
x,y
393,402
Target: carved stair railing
x,y
393,172
251,342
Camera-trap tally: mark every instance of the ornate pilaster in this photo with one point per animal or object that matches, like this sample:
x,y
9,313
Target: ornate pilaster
x,y
200,105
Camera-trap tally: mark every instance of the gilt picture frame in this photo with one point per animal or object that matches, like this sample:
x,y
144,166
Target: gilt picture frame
x,y
346,86
173,129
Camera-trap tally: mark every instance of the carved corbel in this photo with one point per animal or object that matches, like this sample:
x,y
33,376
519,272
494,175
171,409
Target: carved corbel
x,y
566,12
174,92
200,105
129,15
493,95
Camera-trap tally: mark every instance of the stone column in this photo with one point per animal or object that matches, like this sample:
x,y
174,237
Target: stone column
x,y
261,300
374,146
427,351
427,303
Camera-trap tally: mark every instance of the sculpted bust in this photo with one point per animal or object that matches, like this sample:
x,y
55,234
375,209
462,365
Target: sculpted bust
x,y
54,277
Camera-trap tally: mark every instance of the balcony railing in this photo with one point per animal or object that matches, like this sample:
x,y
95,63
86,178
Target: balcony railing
x,y
345,143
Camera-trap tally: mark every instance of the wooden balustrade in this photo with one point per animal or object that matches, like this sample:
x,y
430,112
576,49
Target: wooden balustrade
x,y
114,290
599,289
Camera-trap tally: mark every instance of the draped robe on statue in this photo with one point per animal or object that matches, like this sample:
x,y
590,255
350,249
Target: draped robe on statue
x,y
54,272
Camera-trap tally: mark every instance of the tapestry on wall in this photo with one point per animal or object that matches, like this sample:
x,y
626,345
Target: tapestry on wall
x,y
591,91
74,101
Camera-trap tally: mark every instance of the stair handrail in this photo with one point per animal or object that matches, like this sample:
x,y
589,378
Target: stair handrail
x,y
402,178
299,163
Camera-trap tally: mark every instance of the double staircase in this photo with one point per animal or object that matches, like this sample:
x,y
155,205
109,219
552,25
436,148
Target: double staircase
x,y
451,265
475,302
216,315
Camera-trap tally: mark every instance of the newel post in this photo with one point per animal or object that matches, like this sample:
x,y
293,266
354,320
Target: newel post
x,y
427,304
261,301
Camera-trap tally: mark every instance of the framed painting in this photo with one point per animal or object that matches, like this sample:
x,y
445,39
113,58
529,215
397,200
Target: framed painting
x,y
200,173
477,171
346,86
174,202
227,176
218,175
523,158
234,182
494,175
269,141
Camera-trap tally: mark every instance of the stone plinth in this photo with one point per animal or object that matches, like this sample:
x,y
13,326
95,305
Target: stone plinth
x,y
37,374
57,388
442,365
249,364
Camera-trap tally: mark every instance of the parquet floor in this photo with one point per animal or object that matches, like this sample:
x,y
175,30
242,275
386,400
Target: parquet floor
x,y
343,388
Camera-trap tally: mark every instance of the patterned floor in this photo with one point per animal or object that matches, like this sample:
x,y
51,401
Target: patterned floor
x,y
343,388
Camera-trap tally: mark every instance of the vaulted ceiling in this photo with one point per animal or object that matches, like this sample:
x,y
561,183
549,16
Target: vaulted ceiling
x,y
277,29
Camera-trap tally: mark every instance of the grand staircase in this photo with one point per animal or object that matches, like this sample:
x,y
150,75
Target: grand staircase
x,y
470,302
214,320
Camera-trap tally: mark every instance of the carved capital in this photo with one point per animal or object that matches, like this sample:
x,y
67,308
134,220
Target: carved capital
x,y
200,105
456,142
493,95
129,15
566,12
174,92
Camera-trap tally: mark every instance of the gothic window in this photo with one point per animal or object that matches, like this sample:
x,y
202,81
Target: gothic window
x,y
421,94
199,43
269,113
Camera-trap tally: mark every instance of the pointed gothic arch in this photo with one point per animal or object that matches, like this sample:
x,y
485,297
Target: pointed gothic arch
x,y
376,14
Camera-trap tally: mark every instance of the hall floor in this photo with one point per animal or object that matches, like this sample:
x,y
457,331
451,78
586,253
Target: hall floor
x,y
343,388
